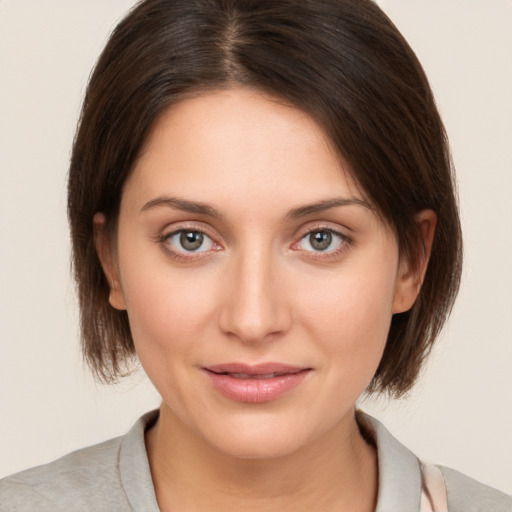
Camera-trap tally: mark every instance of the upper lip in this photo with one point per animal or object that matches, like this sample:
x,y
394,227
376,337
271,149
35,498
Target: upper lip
x,y
255,369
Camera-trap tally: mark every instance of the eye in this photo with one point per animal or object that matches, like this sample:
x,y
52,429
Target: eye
x,y
187,240
321,240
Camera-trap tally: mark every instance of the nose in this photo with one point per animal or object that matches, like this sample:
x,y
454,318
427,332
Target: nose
x,y
255,307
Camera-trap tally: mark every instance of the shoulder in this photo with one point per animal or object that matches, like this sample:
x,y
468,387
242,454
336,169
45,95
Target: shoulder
x,y
86,479
401,478
468,495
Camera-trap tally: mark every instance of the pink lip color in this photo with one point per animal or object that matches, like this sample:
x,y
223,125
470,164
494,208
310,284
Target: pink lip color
x,y
253,383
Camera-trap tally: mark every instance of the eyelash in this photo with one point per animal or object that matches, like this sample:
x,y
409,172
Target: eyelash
x,y
164,239
344,243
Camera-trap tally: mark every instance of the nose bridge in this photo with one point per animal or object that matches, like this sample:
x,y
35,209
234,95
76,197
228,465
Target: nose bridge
x,y
255,305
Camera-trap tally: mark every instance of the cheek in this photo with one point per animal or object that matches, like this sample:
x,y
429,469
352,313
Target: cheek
x,y
169,321
351,318
166,312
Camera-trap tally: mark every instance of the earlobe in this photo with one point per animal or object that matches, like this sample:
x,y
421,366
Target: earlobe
x,y
411,273
106,255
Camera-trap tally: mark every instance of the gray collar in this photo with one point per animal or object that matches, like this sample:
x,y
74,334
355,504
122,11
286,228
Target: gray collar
x,y
135,473
399,473
399,470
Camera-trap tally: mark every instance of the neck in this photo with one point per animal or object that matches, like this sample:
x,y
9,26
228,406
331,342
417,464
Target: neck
x,y
335,472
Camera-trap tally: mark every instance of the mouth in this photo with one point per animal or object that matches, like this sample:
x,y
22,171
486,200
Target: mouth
x,y
255,383
255,371
255,376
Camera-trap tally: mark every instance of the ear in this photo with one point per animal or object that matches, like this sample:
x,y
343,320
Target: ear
x,y
107,256
411,273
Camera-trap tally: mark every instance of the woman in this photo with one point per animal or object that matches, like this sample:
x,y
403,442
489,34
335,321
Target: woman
x,y
262,210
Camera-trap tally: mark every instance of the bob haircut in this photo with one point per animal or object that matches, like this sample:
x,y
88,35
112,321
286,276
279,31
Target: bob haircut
x,y
345,64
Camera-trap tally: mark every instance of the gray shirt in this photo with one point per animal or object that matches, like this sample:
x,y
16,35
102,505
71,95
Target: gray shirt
x,y
115,476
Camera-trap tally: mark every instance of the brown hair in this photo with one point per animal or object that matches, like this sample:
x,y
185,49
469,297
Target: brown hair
x,y
341,61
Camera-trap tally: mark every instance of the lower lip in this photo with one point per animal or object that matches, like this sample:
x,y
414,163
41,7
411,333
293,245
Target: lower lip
x,y
255,390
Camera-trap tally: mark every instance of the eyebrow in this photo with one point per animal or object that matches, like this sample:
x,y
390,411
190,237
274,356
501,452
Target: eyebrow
x,y
182,204
325,205
205,209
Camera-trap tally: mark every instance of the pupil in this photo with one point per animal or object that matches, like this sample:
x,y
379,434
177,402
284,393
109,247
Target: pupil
x,y
321,240
191,240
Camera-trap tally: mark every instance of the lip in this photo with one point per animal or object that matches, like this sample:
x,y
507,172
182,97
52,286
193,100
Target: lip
x,y
257,383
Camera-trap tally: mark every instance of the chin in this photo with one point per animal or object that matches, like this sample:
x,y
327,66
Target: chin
x,y
264,437
259,446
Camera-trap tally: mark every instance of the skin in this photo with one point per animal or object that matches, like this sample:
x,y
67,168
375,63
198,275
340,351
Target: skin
x,y
257,290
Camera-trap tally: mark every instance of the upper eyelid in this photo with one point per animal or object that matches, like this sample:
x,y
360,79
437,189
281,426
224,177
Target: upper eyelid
x,y
323,226
178,227
174,232
343,237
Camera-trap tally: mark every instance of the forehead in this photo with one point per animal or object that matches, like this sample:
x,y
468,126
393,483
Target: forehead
x,y
239,144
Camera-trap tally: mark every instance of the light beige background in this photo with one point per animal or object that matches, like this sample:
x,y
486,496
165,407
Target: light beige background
x,y
460,414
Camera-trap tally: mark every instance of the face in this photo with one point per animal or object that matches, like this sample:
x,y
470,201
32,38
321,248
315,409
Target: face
x,y
258,282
